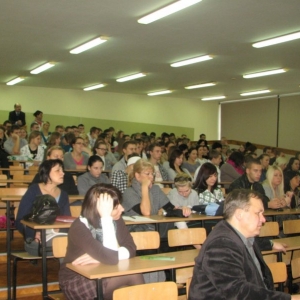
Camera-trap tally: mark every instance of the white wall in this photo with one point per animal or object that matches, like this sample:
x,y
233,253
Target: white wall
x,y
201,116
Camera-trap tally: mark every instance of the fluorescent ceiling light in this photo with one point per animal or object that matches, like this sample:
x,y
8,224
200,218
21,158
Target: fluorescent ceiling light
x,y
42,68
93,87
265,73
255,93
213,98
191,61
131,77
198,86
89,45
277,40
168,10
15,81
159,93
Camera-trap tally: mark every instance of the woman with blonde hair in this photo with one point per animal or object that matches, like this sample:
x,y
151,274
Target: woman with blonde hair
x,y
281,162
45,132
183,196
143,197
274,188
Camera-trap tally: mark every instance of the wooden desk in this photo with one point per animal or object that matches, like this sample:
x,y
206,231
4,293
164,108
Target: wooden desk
x,y
12,181
15,180
287,211
135,265
42,228
82,171
5,198
156,219
293,243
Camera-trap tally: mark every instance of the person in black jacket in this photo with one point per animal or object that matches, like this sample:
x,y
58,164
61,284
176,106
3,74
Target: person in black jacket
x,y
250,180
230,264
17,117
68,185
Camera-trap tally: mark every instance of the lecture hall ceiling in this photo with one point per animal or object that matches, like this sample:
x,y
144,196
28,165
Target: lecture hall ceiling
x,y
34,32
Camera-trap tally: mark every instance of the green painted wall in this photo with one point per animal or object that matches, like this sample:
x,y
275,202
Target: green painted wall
x,y
127,127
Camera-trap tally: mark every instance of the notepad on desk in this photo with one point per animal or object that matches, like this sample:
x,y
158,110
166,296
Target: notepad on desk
x,y
157,257
136,218
66,219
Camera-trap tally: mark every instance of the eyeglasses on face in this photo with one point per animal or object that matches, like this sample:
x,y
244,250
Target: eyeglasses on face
x,y
149,174
103,149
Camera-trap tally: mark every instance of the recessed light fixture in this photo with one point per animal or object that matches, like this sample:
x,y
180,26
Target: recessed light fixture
x,y
265,73
213,98
255,93
94,87
43,68
168,10
159,93
191,61
198,86
131,77
15,81
89,45
277,40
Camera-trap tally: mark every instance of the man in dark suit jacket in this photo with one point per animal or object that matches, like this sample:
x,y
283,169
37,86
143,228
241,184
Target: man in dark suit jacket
x,y
230,264
17,117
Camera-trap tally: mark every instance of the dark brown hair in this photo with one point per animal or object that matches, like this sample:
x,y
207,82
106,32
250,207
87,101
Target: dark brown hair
x,y
89,206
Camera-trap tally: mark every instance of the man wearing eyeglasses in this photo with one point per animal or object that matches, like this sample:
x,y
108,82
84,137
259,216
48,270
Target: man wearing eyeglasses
x,y
230,264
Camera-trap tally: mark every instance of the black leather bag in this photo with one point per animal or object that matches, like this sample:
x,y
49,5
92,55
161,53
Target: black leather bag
x,y
44,210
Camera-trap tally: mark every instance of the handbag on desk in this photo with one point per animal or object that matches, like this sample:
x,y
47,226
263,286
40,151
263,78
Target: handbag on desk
x,y
44,210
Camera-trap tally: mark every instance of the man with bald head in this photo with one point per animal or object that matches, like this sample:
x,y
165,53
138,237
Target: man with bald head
x,y
17,117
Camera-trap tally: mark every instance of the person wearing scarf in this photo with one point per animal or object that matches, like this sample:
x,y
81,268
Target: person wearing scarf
x,y
99,235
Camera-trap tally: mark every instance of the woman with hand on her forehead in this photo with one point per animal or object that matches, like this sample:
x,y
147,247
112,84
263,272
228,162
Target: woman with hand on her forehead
x,y
206,184
99,235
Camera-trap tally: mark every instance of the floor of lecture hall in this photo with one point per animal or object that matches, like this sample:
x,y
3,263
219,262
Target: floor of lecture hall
x,y
27,272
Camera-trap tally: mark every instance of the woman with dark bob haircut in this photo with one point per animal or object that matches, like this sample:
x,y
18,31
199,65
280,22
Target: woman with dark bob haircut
x,y
92,176
99,235
206,184
51,175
